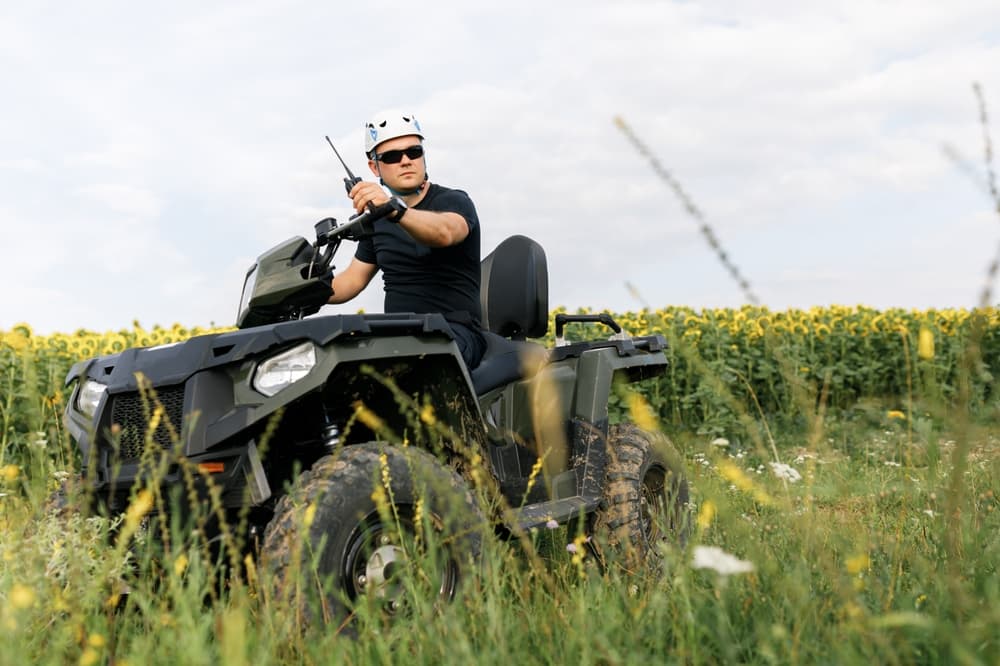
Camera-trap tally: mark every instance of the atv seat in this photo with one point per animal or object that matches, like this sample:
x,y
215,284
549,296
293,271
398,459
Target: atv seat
x,y
515,299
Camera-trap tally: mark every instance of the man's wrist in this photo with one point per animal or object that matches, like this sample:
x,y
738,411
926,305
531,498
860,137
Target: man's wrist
x,y
399,209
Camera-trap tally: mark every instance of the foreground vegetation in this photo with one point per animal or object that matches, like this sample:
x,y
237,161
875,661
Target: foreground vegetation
x,y
843,462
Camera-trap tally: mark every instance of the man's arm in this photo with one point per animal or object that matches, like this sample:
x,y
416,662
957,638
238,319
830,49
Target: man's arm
x,y
430,228
434,229
352,281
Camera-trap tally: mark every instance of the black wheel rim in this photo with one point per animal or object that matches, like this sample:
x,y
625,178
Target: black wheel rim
x,y
378,553
653,503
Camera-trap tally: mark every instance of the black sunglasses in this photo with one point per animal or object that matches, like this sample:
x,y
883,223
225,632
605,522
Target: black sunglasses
x,y
396,156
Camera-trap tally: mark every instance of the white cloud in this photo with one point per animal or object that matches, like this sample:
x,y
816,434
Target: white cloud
x,y
125,199
23,165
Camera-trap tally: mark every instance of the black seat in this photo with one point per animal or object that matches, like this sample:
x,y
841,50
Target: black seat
x,y
515,297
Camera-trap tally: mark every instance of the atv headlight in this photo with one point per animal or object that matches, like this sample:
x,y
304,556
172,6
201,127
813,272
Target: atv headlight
x,y
284,369
89,396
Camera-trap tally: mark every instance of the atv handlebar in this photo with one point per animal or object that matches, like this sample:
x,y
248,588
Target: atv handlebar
x,y
330,234
359,226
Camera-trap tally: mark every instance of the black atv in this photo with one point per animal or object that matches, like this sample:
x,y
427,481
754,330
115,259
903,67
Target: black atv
x,y
341,441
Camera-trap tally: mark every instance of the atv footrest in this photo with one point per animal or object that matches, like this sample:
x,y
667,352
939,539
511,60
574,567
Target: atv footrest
x,y
560,510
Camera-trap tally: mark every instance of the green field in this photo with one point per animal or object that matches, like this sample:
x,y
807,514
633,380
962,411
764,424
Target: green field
x,y
847,459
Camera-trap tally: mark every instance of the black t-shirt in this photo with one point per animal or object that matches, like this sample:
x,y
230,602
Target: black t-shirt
x,y
425,279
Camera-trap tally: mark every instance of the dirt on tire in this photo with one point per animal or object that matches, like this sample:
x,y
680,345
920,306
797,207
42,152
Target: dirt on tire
x,y
645,497
309,544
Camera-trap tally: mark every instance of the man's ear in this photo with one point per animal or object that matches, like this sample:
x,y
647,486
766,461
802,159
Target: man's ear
x,y
373,165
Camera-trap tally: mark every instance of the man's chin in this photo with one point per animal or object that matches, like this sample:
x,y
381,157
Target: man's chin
x,y
410,184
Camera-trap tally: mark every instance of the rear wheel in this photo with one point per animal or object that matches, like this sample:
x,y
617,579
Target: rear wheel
x,y
374,524
645,498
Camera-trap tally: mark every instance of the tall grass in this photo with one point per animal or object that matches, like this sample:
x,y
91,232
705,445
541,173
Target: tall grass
x,y
884,551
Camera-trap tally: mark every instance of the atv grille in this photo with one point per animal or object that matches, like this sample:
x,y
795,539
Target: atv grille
x,y
128,413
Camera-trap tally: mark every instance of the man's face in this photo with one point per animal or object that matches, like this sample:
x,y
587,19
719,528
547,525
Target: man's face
x,y
405,174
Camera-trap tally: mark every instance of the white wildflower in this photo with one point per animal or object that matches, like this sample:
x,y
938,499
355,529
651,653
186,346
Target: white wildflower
x,y
930,512
720,441
711,557
786,472
552,524
892,463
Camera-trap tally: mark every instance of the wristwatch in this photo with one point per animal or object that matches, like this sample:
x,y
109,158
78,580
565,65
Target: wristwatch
x,y
398,207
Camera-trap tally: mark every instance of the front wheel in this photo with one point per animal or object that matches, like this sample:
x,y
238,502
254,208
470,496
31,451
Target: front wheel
x,y
645,502
386,526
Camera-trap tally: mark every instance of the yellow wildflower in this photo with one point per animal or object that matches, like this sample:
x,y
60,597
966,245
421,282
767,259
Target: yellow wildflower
x,y
89,657
368,417
10,473
857,563
853,611
251,569
427,414
22,596
309,516
138,509
380,498
579,552
706,514
180,564
641,413
736,476
895,414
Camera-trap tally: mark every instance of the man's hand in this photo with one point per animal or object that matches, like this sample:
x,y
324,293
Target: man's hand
x,y
365,193
327,279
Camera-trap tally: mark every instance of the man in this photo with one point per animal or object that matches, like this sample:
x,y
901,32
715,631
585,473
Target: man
x,y
429,253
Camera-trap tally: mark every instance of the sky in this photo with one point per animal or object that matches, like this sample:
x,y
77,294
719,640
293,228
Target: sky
x,y
150,152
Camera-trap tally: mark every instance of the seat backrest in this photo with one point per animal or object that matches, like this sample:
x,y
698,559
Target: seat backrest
x,y
515,289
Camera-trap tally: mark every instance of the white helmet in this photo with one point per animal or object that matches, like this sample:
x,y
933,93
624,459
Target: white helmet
x,y
388,125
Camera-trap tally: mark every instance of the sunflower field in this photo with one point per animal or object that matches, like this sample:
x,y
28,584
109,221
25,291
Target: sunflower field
x,y
729,366
730,369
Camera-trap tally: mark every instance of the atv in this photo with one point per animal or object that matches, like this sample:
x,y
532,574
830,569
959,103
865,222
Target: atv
x,y
337,442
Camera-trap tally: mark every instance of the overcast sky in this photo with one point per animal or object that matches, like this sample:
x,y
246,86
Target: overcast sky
x,y
149,152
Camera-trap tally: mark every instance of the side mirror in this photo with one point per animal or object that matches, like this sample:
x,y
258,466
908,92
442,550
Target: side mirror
x,y
323,230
